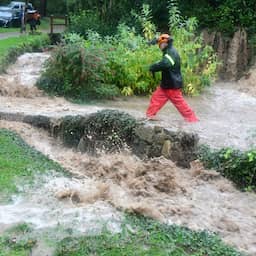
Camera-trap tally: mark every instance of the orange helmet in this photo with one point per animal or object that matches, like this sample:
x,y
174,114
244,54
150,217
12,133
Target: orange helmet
x,y
164,38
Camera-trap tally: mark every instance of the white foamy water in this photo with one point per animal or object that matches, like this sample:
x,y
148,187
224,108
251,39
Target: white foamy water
x,y
41,207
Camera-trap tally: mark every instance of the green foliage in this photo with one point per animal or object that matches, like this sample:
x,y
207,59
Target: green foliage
x,y
113,128
175,19
141,237
225,16
19,161
199,62
238,166
129,58
98,66
85,20
145,20
76,71
17,241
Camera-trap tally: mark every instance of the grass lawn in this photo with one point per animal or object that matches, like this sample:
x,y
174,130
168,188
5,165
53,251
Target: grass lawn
x,y
6,44
19,162
146,237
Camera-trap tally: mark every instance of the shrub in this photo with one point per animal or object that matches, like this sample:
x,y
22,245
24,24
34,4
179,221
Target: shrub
x,y
128,59
85,20
80,68
76,71
111,128
238,166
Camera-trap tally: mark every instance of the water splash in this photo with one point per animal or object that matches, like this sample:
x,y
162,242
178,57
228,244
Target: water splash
x,y
41,206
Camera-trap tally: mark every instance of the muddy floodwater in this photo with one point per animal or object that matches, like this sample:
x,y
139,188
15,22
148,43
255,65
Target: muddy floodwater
x,y
104,187
226,110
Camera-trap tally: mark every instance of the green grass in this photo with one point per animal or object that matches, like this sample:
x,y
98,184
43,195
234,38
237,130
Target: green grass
x,y
6,30
19,162
17,241
139,237
145,237
8,43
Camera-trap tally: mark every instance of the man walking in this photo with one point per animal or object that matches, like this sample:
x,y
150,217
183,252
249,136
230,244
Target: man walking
x,y
171,83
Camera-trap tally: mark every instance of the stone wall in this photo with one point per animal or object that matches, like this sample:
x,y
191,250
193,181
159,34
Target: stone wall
x,y
104,131
142,139
154,141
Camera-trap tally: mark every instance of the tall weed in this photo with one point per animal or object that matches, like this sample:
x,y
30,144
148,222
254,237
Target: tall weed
x,y
199,62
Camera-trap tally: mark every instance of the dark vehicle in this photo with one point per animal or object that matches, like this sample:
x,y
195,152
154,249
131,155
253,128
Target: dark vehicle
x,y
10,15
8,19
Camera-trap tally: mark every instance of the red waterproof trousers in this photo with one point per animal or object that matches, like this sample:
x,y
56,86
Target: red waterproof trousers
x,y
161,96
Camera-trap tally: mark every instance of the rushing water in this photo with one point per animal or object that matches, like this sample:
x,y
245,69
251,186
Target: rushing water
x,y
42,207
157,188
227,115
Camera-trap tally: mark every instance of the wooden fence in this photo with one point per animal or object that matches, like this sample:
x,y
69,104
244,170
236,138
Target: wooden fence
x,y
54,23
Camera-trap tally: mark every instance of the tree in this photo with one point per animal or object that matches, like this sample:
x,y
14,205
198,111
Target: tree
x,y
43,6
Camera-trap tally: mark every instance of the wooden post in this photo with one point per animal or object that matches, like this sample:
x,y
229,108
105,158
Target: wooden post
x,y
66,20
43,7
25,13
63,23
51,23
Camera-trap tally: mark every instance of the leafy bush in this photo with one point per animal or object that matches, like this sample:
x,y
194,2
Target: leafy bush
x,y
238,166
131,57
128,59
111,128
76,71
85,20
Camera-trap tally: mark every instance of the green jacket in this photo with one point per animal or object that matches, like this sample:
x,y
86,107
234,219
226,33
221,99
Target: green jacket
x,y
170,68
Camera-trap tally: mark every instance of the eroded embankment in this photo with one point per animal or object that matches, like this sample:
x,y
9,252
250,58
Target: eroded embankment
x,y
194,197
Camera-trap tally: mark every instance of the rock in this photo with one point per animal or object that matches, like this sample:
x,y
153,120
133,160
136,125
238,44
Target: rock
x,y
166,149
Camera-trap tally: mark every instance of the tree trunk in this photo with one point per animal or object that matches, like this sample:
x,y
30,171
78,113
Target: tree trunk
x,y
43,5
